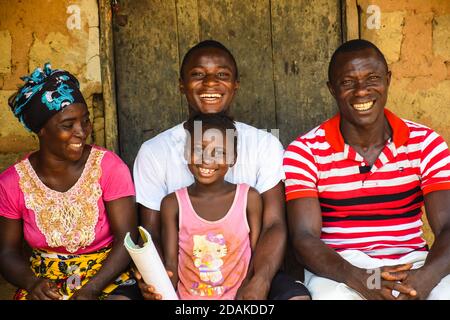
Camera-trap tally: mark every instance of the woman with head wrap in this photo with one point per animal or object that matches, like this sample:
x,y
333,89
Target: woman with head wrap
x,y
72,202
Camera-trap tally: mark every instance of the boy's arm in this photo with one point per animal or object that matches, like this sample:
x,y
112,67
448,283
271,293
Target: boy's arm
x,y
254,219
149,174
169,235
151,220
269,251
254,215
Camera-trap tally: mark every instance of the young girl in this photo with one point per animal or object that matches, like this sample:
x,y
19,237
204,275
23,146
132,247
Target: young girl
x,y
210,228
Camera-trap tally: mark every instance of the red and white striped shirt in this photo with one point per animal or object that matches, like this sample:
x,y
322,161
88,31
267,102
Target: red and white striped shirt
x,y
375,209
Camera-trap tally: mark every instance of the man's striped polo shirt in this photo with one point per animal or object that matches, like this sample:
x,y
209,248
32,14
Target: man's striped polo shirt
x,y
375,209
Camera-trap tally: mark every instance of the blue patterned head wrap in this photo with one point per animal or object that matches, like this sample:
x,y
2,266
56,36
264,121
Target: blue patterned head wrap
x,y
45,93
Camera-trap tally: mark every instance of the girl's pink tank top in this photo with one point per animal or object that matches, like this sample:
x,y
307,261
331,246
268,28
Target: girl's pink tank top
x,y
213,256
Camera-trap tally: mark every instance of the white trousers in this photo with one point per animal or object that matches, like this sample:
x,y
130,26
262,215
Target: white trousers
x,y
327,289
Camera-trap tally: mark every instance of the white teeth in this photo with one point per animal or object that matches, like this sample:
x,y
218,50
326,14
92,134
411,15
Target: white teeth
x,y
206,171
210,95
363,106
77,145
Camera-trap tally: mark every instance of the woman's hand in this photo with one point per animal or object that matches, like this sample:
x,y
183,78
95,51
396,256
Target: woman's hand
x,y
44,289
85,294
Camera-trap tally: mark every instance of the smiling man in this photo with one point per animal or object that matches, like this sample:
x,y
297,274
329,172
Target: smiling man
x,y
355,186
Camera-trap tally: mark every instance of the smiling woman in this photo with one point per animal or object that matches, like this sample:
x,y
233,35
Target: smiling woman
x,y
72,202
66,132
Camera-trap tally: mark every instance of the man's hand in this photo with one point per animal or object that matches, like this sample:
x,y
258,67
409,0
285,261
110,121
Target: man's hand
x,y
392,278
256,288
416,279
147,290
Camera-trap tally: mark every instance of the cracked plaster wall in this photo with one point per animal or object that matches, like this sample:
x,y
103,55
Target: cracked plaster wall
x,y
33,32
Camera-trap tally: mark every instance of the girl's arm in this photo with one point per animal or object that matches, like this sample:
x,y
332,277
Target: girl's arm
x,y
122,218
169,235
15,268
254,215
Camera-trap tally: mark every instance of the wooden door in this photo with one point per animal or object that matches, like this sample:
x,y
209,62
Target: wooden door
x,y
282,48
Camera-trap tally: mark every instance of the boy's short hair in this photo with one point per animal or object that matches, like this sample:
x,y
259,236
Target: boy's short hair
x,y
207,44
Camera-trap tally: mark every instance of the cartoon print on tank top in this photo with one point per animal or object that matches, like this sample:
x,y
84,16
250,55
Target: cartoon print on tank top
x,y
207,253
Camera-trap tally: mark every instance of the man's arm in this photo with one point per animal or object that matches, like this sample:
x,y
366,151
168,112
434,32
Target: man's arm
x,y
437,263
437,206
271,245
305,225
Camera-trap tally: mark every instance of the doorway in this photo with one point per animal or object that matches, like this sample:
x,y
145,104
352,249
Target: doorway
x,y
282,48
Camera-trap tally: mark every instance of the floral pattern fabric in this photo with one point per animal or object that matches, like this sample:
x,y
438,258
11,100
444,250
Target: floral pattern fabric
x,y
66,219
70,272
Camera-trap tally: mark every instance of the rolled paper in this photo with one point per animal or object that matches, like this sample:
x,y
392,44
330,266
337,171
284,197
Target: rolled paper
x,y
149,264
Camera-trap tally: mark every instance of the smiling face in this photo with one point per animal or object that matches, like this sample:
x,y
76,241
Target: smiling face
x,y
359,82
66,132
208,159
209,80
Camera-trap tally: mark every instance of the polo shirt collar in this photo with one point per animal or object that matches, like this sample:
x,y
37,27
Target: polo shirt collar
x,y
400,131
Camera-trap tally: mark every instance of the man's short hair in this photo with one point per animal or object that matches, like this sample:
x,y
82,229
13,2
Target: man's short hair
x,y
207,44
353,46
